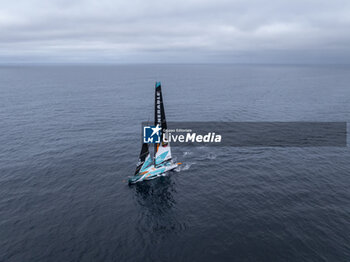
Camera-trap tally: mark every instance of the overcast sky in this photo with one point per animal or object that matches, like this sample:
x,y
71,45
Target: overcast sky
x,y
189,31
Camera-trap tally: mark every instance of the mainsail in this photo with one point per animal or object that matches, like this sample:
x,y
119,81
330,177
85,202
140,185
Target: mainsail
x,y
162,151
144,159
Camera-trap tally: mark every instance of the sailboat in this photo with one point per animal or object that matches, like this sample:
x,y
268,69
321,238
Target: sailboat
x,y
148,168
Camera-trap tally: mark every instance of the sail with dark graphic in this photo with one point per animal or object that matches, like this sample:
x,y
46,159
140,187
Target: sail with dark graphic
x,y
159,113
144,159
162,151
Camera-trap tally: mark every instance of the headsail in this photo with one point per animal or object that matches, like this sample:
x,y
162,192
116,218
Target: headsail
x,y
163,154
144,159
162,151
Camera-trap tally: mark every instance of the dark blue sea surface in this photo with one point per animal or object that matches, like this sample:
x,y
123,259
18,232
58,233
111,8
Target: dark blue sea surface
x,y
70,138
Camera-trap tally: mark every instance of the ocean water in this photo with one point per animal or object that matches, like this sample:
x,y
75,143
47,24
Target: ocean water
x,y
70,138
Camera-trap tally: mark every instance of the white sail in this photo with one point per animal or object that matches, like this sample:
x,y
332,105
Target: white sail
x,y
163,153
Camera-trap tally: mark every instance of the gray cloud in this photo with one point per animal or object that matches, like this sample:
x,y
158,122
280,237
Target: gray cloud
x,y
175,31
